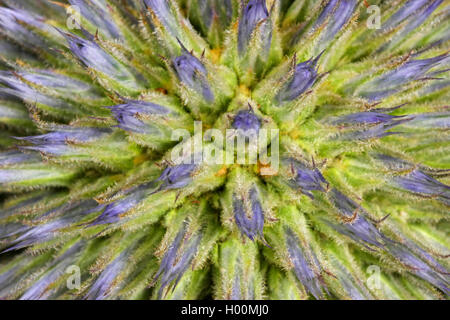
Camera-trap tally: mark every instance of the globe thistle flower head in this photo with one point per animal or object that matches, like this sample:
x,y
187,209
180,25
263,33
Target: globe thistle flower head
x,y
225,149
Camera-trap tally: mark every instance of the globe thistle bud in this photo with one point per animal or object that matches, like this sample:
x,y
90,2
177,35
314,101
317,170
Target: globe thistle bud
x,y
241,275
11,158
305,75
326,11
13,24
46,231
305,179
92,56
126,115
347,274
57,142
392,163
415,180
364,118
283,285
112,265
15,87
176,177
24,174
251,227
340,13
173,177
369,124
392,81
38,7
177,259
355,226
97,14
254,15
216,9
419,18
192,73
22,205
306,267
430,120
164,14
132,198
60,83
246,120
420,183
246,206
9,53
406,11
103,286
379,130
151,122
211,17
418,265
42,289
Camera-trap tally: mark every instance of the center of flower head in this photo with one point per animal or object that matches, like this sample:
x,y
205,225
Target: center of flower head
x,y
246,120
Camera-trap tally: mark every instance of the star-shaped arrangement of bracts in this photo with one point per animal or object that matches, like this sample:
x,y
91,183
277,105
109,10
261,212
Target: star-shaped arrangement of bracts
x,y
93,205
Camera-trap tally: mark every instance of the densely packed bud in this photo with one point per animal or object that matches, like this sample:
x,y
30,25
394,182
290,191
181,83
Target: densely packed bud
x,y
192,73
246,120
303,178
356,225
305,75
108,68
177,259
306,267
254,15
338,14
393,81
238,271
